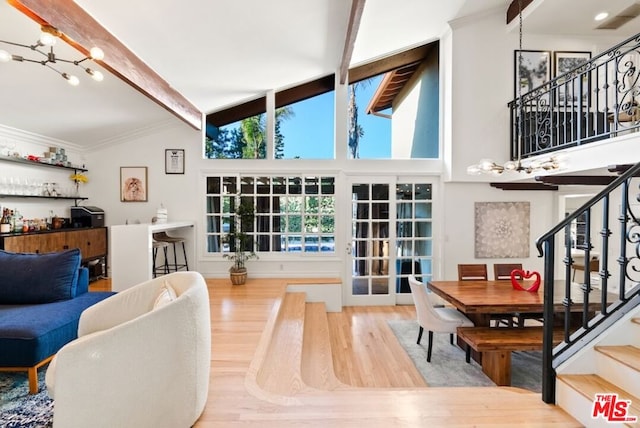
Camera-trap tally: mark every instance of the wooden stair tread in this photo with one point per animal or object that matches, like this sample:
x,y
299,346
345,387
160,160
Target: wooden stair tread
x,y
355,406
280,370
591,384
317,358
628,355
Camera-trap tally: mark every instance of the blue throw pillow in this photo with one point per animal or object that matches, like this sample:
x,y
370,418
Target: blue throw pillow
x,y
27,278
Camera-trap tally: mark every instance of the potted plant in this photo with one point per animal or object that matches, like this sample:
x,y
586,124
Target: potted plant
x,y
240,242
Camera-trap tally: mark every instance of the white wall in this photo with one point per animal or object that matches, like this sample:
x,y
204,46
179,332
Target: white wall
x,y
459,223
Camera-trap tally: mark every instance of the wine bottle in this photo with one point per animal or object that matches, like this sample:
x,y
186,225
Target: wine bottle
x,y
5,224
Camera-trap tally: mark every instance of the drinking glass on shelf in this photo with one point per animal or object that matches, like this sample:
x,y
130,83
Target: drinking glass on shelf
x,y
26,187
13,186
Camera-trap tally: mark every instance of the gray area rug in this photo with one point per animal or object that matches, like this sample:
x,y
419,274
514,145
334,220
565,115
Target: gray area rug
x,y
18,408
448,367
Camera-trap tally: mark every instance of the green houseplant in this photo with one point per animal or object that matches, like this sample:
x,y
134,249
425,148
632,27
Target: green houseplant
x,y
241,245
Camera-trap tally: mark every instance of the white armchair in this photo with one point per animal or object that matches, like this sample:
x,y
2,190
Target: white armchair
x,y
433,319
142,358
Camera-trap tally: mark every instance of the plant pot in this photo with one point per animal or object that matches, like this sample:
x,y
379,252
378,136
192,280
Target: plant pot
x,y
238,278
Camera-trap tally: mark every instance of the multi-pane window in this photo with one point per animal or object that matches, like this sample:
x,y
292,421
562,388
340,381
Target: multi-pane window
x,y
292,213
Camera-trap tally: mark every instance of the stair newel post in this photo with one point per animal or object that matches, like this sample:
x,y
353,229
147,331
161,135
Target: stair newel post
x,y
548,373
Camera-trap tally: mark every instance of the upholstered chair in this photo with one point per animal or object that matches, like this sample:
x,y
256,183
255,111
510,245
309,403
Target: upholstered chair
x,y
433,319
142,358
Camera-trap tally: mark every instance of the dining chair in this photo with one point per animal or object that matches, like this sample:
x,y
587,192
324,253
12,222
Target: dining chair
x,y
478,272
434,319
472,272
502,272
594,266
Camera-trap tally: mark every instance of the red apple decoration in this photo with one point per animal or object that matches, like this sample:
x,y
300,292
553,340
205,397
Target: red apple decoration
x,y
518,273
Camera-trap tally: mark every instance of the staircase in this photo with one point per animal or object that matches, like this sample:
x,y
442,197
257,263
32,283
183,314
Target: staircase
x,y
611,366
293,366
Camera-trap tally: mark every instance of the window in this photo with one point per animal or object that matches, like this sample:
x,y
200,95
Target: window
x,y
369,135
306,129
384,97
303,125
246,139
238,132
294,214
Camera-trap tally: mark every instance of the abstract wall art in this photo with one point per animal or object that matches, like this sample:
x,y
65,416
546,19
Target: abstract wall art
x,y
502,229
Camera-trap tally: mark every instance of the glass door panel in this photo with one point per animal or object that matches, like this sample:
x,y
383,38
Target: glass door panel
x,y
414,237
370,239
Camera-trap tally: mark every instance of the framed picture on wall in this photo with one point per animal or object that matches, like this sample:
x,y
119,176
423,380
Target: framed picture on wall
x,y
578,89
133,184
533,71
174,161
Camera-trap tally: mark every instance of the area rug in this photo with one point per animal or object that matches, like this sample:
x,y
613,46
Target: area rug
x,y
448,366
18,408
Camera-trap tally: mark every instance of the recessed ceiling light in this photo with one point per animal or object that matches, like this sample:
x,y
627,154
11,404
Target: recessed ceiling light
x,y
601,16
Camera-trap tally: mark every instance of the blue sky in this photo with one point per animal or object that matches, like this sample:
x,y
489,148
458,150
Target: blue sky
x,y
309,134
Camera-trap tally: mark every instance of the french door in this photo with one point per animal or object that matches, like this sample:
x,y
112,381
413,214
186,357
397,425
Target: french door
x,y
390,238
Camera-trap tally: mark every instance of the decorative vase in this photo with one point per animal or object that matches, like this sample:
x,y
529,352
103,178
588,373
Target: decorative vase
x,y
238,278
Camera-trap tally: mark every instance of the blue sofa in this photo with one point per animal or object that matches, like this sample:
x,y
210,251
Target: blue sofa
x,y
41,299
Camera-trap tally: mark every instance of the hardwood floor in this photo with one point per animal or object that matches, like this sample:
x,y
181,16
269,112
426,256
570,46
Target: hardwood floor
x,y
375,382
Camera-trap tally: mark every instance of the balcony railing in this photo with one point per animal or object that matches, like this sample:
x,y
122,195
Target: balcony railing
x,y
596,100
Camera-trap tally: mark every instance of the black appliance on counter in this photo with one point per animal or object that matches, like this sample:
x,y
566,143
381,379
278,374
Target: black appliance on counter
x,y
87,216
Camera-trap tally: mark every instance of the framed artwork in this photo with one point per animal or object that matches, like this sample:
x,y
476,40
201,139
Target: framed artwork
x,y
502,230
174,161
570,93
133,184
534,70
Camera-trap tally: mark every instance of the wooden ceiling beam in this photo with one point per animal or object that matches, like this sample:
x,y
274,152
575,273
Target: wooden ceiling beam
x,y
82,31
582,180
357,6
619,169
523,186
512,11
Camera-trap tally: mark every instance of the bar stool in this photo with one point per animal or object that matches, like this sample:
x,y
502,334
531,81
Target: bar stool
x,y
163,269
175,266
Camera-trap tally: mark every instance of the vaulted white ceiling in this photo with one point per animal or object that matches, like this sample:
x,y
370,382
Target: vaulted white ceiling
x,y
221,52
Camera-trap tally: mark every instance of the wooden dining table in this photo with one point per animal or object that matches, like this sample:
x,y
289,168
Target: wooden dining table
x,y
479,299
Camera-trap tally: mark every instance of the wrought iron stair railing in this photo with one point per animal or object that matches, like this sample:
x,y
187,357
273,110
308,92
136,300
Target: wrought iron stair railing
x,y
597,99
618,277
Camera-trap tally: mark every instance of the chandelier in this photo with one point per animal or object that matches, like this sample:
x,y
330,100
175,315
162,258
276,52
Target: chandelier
x,y
48,39
487,166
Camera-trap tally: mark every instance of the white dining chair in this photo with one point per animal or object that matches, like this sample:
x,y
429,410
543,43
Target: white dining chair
x,y
433,319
